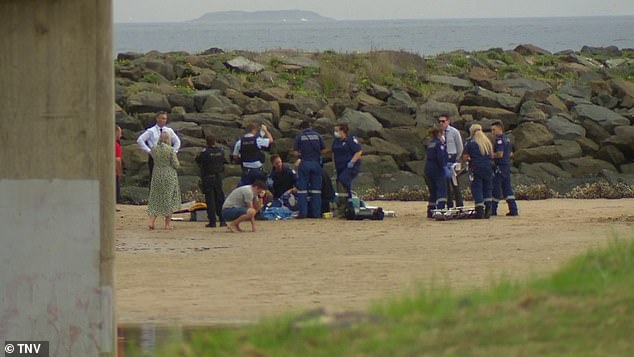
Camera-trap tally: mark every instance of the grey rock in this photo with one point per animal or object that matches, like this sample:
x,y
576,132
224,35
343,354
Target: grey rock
x,y
134,195
610,154
229,120
623,140
182,100
602,116
128,122
562,128
366,100
220,104
408,138
606,101
204,80
189,185
224,135
363,182
579,90
379,91
549,153
245,65
401,100
530,135
611,51
379,146
520,87
454,82
378,165
274,94
361,124
159,66
300,61
588,146
388,117
628,168
447,96
428,111
482,97
624,90
229,184
144,102
510,119
532,111
394,182
224,81
530,50
584,166
417,167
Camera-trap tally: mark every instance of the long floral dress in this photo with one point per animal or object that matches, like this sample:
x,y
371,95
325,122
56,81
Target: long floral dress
x,y
165,194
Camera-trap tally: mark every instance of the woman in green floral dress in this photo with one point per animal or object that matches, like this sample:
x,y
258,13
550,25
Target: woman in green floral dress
x,y
165,195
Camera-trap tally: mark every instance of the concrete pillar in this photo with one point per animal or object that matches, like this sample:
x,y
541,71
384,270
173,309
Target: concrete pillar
x,y
57,175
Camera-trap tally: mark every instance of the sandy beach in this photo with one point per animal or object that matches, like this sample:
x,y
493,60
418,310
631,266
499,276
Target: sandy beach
x,y
206,276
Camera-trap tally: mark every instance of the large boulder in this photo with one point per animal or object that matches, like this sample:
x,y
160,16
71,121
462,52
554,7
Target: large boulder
x,y
225,81
549,153
379,146
408,138
530,50
204,80
147,102
563,128
533,111
588,146
610,51
610,154
417,167
220,104
159,66
482,76
624,90
379,91
363,99
259,105
520,87
182,100
244,65
361,124
389,117
584,166
229,120
623,140
530,135
134,195
224,135
378,165
274,94
428,111
454,82
187,128
401,100
481,97
395,181
602,116
509,118
544,171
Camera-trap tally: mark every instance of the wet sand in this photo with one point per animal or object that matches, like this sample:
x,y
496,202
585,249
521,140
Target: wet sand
x,y
207,276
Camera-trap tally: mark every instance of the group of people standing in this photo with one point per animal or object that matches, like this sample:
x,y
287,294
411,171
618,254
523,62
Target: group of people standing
x,y
489,167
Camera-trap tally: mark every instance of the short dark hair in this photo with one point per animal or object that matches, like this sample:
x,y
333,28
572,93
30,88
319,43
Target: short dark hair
x,y
211,140
160,113
275,156
343,127
442,115
304,125
498,123
259,184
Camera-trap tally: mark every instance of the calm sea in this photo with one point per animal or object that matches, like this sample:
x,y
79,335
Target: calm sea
x,y
426,37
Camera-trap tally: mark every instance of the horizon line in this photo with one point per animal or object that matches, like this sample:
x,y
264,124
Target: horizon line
x,y
394,19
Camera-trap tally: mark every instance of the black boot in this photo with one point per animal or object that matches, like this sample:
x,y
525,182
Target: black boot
x,y
479,212
429,211
487,210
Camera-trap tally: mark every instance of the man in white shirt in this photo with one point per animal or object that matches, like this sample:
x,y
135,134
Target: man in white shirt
x,y
453,140
150,138
248,149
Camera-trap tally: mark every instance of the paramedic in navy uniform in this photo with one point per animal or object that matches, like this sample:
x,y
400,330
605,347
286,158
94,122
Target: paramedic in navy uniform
x,y
309,146
435,168
453,142
502,152
282,178
249,150
150,138
346,154
212,164
479,153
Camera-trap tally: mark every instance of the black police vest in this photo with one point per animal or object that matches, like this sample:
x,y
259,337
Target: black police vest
x,y
249,151
212,161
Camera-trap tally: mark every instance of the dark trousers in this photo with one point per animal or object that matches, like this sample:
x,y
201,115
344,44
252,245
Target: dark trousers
x,y
249,176
214,197
453,192
309,183
150,165
437,187
118,189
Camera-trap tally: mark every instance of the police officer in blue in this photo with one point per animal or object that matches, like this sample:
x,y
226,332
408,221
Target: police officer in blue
x,y
502,153
436,170
249,150
282,178
309,146
478,152
346,154
212,165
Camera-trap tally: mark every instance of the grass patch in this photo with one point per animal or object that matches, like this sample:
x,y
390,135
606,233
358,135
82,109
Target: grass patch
x,y
584,309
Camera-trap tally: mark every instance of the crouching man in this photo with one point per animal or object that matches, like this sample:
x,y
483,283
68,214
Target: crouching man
x,y
242,204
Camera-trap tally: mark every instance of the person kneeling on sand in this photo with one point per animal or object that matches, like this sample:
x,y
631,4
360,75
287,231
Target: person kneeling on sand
x,y
242,204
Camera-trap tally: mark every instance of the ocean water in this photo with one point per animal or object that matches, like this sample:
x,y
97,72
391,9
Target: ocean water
x,y
426,37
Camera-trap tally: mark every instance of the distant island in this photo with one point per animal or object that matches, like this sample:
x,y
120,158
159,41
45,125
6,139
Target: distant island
x,y
262,16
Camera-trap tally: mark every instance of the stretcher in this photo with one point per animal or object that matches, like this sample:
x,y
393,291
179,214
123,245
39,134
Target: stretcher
x,y
449,214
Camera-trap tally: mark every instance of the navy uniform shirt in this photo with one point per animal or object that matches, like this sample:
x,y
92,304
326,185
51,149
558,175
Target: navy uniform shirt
x,y
503,144
211,161
309,144
436,156
281,182
479,163
344,150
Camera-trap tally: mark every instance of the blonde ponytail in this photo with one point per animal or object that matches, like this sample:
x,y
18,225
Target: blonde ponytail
x,y
486,148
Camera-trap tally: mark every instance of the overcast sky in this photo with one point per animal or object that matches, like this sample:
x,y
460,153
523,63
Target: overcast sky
x,y
179,10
